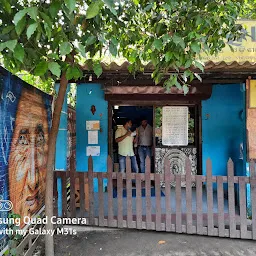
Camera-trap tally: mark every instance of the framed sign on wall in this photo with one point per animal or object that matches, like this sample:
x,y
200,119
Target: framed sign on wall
x,y
175,126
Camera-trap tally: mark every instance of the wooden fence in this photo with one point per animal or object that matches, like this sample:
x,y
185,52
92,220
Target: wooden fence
x,y
218,215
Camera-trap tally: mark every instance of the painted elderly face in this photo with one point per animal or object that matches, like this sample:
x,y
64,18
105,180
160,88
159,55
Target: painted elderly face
x,y
28,156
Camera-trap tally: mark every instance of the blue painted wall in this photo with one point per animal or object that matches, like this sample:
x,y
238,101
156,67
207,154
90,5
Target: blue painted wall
x,y
88,95
224,130
62,145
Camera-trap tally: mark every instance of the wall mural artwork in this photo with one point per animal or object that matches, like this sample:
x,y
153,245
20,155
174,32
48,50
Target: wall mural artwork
x,y
177,158
24,127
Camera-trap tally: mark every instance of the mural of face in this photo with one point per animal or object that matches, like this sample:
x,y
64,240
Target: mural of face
x,y
28,155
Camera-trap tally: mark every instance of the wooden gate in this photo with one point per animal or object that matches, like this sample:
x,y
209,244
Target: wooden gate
x,y
207,205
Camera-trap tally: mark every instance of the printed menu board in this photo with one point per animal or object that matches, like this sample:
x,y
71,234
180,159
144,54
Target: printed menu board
x,y
175,126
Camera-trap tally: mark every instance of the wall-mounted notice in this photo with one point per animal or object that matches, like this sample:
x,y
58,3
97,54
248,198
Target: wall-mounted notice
x,y
93,125
93,137
93,151
175,126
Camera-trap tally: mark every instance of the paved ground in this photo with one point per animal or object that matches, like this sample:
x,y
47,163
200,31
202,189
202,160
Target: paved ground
x,y
142,243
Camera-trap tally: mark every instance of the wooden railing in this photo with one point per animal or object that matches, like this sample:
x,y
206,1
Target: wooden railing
x,y
208,211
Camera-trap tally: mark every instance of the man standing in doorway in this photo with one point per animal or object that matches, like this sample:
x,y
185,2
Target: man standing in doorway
x,y
145,134
125,139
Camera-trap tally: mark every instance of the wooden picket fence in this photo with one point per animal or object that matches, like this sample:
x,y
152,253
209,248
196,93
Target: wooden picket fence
x,y
233,222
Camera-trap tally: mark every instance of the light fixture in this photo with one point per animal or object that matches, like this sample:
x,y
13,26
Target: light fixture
x,y
116,107
90,78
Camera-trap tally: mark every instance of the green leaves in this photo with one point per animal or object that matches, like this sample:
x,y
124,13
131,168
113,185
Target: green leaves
x,y
111,5
41,68
31,11
21,26
198,77
171,35
168,56
199,65
54,8
195,47
178,40
97,69
73,72
19,15
54,67
93,9
7,30
65,48
91,40
31,29
113,49
71,5
11,44
158,44
19,52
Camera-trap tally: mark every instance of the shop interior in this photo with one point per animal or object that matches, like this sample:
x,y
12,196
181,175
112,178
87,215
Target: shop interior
x,y
154,118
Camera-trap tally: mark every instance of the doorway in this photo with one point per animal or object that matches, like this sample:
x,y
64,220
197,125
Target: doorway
x,y
136,114
177,154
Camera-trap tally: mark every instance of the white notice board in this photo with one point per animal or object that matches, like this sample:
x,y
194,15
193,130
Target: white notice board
x,y
175,126
93,125
93,151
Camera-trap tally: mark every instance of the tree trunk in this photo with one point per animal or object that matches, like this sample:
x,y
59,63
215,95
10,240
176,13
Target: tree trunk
x,y
49,242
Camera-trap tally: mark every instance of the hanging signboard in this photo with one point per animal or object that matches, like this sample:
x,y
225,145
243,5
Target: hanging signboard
x,y
175,126
242,50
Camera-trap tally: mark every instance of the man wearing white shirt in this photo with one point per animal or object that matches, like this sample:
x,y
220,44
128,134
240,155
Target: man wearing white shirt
x,y
145,136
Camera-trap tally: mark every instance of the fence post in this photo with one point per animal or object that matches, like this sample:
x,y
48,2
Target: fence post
x,y
231,199
209,197
72,190
101,199
129,192
82,193
178,226
253,197
148,193
242,204
138,201
199,207
91,191
220,194
188,195
168,212
110,192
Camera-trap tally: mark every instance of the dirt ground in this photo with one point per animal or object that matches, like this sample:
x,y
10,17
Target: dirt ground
x,y
142,243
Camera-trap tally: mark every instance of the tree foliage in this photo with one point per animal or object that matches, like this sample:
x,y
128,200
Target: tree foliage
x,y
248,10
47,38
174,33
52,39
